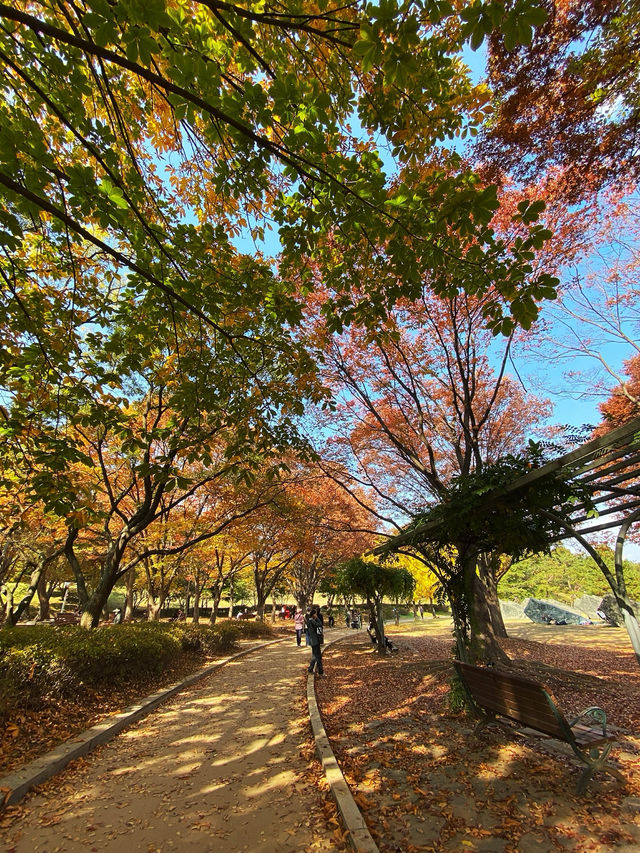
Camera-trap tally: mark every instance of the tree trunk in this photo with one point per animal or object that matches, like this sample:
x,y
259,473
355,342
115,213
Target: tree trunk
x,y
261,597
155,605
36,573
460,627
8,604
484,645
624,602
215,603
44,599
97,601
129,602
76,568
196,605
487,568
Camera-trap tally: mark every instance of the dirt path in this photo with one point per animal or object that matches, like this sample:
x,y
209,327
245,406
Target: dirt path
x,y
219,766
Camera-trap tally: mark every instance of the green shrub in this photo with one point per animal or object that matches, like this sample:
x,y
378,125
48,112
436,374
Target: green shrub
x,y
206,639
44,663
250,630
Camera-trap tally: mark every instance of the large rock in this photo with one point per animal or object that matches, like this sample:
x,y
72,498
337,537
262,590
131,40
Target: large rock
x,y
512,610
612,613
589,605
547,611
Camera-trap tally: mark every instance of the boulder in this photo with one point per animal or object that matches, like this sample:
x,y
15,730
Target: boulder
x,y
589,605
512,610
612,612
548,611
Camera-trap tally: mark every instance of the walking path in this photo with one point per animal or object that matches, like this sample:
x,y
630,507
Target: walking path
x,y
218,765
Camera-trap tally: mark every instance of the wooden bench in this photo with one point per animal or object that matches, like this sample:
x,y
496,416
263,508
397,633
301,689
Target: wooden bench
x,y
500,694
66,618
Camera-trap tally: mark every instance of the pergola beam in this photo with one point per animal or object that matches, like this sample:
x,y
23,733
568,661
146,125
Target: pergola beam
x,y
614,446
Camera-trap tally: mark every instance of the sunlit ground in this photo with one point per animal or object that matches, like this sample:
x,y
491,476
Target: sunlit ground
x,y
602,636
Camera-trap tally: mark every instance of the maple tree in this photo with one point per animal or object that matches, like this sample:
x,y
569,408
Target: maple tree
x,y
136,143
229,564
568,99
421,405
272,546
246,102
30,552
142,472
330,526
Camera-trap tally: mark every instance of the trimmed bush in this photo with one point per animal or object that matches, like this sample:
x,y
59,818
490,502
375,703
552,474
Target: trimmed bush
x,y
44,663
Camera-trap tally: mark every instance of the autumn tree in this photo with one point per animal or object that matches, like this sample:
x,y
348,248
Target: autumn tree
x,y
374,582
142,472
136,142
427,584
30,554
229,563
427,401
329,525
269,541
566,98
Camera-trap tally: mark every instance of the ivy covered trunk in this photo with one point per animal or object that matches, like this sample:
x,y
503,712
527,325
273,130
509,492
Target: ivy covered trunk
x,y
476,640
484,645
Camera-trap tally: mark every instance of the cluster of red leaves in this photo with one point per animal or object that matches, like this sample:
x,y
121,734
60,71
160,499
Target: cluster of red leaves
x,y
424,782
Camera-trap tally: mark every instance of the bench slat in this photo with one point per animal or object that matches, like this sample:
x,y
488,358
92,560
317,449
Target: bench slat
x,y
512,696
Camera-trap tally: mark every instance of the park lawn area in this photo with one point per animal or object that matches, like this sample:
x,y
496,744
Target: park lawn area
x,y
424,782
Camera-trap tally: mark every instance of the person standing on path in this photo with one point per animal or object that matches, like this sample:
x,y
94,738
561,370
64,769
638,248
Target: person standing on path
x,y
316,638
298,621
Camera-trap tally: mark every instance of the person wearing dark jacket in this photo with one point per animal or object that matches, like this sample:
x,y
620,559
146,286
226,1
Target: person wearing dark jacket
x,y
316,638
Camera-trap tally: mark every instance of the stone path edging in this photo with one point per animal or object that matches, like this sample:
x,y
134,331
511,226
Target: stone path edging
x,y
359,835
14,786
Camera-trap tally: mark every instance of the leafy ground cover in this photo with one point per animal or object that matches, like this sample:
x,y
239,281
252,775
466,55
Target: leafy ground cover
x,y
424,782
52,686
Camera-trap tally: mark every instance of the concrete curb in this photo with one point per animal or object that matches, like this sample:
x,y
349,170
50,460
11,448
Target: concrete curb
x,y
359,836
14,786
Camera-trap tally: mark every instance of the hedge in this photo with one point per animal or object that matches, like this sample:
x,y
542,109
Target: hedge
x,y
45,663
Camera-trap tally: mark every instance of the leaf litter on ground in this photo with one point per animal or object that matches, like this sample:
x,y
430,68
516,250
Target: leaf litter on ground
x,y
424,781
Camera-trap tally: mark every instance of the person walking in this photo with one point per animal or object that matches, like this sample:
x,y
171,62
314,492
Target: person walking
x,y
298,621
316,638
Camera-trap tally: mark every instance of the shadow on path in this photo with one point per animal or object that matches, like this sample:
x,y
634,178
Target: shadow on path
x,y
218,765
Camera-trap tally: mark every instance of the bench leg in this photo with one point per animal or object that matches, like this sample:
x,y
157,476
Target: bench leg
x,y
596,760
